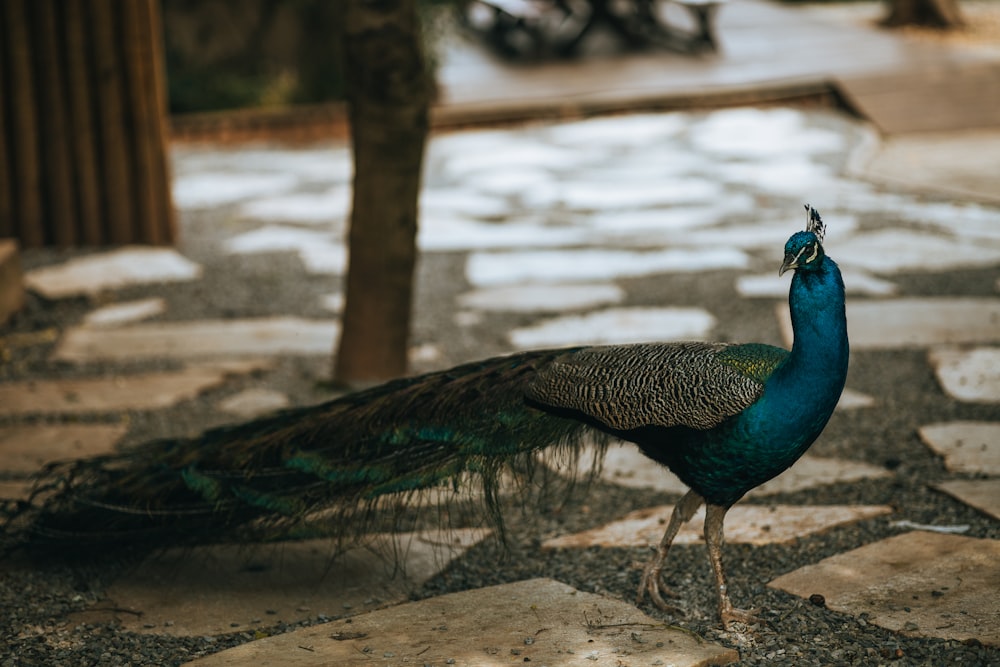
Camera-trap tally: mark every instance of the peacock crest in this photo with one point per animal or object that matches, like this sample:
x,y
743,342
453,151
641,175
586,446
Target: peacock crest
x,y
814,223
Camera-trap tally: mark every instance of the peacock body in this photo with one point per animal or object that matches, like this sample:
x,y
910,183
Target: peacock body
x,y
724,417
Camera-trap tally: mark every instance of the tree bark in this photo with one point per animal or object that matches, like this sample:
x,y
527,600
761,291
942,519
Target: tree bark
x,y
388,94
943,14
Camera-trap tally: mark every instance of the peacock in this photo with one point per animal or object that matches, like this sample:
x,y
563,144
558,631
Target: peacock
x,y
724,417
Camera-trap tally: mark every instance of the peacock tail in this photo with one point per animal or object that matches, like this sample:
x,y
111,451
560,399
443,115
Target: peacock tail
x,y
272,476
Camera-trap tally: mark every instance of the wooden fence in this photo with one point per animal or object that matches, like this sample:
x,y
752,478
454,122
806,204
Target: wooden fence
x,y
83,128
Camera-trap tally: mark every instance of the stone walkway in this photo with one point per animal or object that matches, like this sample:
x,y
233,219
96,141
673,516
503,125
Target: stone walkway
x,y
557,233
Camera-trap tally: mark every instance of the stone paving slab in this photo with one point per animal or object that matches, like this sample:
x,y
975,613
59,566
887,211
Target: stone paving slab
x,y
960,220
983,494
253,402
274,238
813,471
26,448
323,208
487,269
967,446
625,465
131,265
529,298
616,326
118,314
914,251
140,391
853,400
333,302
914,322
961,164
969,375
193,193
538,622
589,195
453,234
230,588
918,583
950,96
202,339
745,524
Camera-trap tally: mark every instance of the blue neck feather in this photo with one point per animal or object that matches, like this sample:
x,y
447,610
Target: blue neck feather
x,y
816,369
800,396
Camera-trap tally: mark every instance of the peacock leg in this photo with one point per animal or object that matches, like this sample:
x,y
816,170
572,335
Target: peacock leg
x,y
651,582
714,517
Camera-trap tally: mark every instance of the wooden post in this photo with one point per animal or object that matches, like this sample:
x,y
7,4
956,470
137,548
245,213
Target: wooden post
x,y
24,169
143,82
6,191
83,117
54,126
84,131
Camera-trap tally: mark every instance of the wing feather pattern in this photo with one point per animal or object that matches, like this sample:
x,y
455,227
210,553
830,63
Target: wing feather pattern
x,y
625,387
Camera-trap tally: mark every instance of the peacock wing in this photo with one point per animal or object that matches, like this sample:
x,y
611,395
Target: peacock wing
x,y
625,387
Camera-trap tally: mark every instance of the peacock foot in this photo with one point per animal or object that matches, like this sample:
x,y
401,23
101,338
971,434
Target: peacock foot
x,y
652,584
747,617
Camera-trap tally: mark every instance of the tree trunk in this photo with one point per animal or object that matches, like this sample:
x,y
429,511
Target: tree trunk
x,y
942,14
388,93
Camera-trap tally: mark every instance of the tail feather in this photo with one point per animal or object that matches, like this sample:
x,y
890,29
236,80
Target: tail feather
x,y
274,474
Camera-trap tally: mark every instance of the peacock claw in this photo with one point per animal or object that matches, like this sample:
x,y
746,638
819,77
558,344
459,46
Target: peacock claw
x,y
652,584
746,617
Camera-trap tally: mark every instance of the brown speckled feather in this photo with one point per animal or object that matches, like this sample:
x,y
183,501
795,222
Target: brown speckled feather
x,y
649,384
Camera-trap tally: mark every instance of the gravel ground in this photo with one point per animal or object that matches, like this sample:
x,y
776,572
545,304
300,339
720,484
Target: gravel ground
x,y
37,626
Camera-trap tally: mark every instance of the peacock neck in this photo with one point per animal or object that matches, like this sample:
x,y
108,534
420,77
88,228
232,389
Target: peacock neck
x,y
819,324
805,389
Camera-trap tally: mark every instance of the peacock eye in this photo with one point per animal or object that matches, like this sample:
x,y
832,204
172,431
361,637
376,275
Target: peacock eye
x,y
814,248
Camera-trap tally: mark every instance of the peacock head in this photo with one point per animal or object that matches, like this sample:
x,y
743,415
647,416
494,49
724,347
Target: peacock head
x,y
804,250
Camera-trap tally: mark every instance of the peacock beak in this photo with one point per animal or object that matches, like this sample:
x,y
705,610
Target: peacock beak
x,y
790,262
